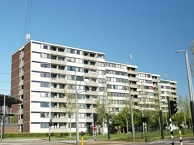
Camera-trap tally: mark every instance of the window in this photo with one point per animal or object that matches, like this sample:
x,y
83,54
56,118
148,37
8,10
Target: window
x,y
81,115
79,78
79,69
44,104
100,56
70,77
70,68
44,84
61,67
61,76
45,47
61,49
69,50
61,95
61,86
82,125
101,89
44,125
73,125
44,94
45,74
70,59
101,64
45,65
45,55
44,115
101,72
61,58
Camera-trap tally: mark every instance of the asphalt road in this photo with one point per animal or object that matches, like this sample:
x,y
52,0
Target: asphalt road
x,y
90,142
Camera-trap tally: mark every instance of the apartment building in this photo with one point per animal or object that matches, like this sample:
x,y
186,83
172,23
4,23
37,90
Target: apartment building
x,y
153,92
48,77
167,88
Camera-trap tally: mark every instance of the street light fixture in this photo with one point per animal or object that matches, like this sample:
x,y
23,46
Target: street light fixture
x,y
189,84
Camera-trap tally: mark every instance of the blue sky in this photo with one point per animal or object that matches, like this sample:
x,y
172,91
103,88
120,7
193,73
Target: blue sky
x,y
150,30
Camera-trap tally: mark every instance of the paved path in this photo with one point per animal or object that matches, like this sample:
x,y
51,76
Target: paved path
x,y
88,142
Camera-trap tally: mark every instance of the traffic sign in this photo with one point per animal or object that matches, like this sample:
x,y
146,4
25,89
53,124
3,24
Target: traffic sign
x,y
94,127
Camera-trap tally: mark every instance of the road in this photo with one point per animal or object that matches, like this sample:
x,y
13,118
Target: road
x,y
90,142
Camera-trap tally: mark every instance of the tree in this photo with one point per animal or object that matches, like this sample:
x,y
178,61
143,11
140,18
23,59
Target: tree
x,y
103,104
71,105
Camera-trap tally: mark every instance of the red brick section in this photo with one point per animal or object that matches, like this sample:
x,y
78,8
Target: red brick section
x,y
11,129
15,83
15,79
26,99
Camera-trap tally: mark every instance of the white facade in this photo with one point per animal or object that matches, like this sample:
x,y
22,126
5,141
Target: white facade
x,y
52,79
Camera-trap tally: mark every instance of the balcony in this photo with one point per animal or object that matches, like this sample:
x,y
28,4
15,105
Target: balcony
x,y
59,119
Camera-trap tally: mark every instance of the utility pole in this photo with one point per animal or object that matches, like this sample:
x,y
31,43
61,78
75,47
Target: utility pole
x,y
160,114
107,116
3,128
131,110
190,85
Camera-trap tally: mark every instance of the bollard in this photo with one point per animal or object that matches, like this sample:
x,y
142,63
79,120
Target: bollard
x,y
1,131
94,128
171,132
82,138
94,135
180,137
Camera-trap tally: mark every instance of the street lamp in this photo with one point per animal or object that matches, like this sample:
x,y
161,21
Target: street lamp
x,y
131,110
107,115
76,111
160,113
189,84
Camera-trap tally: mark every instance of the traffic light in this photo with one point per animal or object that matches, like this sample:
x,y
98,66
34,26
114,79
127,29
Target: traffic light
x,y
144,119
173,107
50,123
95,118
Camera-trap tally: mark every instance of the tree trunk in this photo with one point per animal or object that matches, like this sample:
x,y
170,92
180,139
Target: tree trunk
x,y
70,127
103,127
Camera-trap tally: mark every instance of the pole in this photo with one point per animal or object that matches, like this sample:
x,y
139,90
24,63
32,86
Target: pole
x,y
107,116
76,105
82,138
1,127
170,121
94,134
171,132
50,123
145,131
160,114
161,124
180,137
190,88
108,125
131,110
3,131
49,133
127,126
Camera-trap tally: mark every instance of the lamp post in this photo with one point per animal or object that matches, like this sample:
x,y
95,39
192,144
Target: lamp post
x,y
131,110
50,119
160,113
189,84
107,116
76,112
